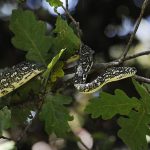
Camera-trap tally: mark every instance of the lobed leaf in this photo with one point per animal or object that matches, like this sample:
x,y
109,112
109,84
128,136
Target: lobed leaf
x,y
145,96
30,35
5,119
134,130
55,115
65,38
109,105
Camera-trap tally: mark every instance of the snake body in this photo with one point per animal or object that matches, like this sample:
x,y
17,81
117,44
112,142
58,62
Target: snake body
x,y
16,76
84,66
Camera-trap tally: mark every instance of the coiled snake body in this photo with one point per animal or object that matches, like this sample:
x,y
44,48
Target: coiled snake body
x,y
16,76
84,66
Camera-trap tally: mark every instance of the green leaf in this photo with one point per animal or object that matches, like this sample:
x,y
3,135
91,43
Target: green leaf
x,y
55,115
109,105
134,130
57,71
30,35
65,38
145,96
52,64
55,3
55,59
5,119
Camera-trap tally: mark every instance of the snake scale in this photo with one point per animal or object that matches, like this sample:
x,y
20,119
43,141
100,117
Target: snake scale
x,y
84,66
14,77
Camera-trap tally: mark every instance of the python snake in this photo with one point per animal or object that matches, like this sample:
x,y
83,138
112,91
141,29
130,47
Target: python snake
x,y
84,66
14,77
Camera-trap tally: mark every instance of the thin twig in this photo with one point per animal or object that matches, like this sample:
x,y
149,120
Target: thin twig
x,y
117,62
142,79
6,138
136,55
135,30
83,144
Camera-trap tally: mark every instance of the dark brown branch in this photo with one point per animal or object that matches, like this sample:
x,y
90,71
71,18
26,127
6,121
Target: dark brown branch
x,y
145,3
142,79
6,138
83,144
137,55
117,62
106,65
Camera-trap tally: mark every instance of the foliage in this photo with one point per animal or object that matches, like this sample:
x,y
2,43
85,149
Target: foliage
x,y
5,117
52,51
134,127
55,3
134,130
57,72
109,105
30,35
52,64
65,38
55,115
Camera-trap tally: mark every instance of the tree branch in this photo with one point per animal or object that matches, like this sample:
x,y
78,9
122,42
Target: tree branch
x,y
6,138
145,3
137,55
142,79
117,62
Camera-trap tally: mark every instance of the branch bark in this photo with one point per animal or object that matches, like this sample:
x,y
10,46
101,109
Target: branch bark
x,y
5,138
142,79
145,3
137,55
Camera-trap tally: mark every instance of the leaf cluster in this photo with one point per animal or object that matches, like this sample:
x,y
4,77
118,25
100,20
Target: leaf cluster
x,y
135,114
50,50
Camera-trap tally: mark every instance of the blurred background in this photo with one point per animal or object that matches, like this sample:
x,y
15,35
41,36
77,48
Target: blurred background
x,y
106,26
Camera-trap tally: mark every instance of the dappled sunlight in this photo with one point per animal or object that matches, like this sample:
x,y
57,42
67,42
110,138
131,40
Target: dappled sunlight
x,y
6,9
71,3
